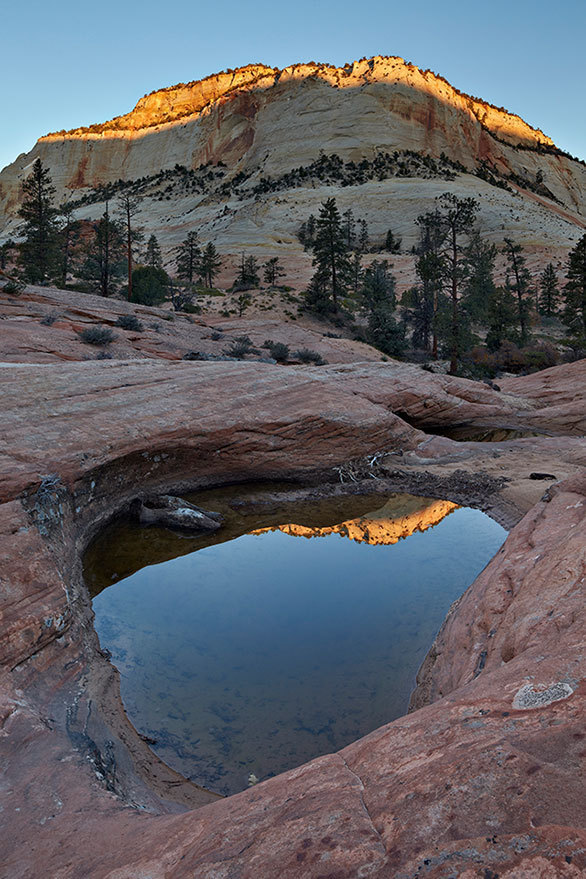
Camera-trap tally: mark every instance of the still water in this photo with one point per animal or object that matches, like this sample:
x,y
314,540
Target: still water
x,y
254,652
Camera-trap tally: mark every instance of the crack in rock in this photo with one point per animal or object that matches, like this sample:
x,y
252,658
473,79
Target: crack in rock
x,y
364,806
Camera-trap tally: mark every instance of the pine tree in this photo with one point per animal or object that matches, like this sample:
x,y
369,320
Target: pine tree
x,y
306,233
429,266
502,317
521,285
392,243
356,271
66,236
38,251
349,225
243,301
104,262
302,234
128,206
363,236
378,287
458,216
385,333
153,256
247,276
379,298
210,265
273,271
549,291
310,230
419,314
575,290
318,294
331,261
188,258
480,286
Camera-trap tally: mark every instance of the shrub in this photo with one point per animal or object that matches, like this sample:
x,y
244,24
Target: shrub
x,y
49,320
208,291
216,335
149,285
183,301
305,355
129,322
541,356
576,345
278,350
240,348
510,358
97,336
359,333
14,288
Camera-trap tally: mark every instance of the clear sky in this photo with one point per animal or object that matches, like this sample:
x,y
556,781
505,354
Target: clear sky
x,y
67,63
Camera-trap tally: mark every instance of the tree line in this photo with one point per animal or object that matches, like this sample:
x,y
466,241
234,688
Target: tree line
x,y
455,292
112,254
456,288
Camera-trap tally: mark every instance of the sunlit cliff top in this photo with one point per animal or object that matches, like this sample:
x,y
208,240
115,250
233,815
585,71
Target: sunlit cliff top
x,y
185,100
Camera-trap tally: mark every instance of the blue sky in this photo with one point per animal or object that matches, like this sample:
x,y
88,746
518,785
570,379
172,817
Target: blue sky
x,y
68,63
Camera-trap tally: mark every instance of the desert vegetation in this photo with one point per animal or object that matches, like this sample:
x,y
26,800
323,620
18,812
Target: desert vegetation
x,y
456,310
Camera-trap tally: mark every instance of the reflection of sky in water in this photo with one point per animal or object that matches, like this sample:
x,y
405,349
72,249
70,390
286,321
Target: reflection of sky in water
x,y
260,653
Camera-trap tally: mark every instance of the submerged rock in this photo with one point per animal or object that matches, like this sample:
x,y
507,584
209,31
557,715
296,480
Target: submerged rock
x,y
175,512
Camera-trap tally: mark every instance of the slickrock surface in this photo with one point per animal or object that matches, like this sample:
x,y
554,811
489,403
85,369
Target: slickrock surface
x,y
557,395
482,782
429,400
42,325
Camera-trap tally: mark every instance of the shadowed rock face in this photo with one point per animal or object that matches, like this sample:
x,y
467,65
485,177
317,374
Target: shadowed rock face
x,y
484,776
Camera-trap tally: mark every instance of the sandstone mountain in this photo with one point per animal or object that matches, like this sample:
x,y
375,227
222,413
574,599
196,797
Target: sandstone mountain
x,y
245,156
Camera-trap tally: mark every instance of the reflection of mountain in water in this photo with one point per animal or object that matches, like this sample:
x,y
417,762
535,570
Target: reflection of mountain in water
x,y
401,516
125,546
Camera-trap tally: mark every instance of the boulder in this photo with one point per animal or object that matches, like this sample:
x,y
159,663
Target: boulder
x,y
175,512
